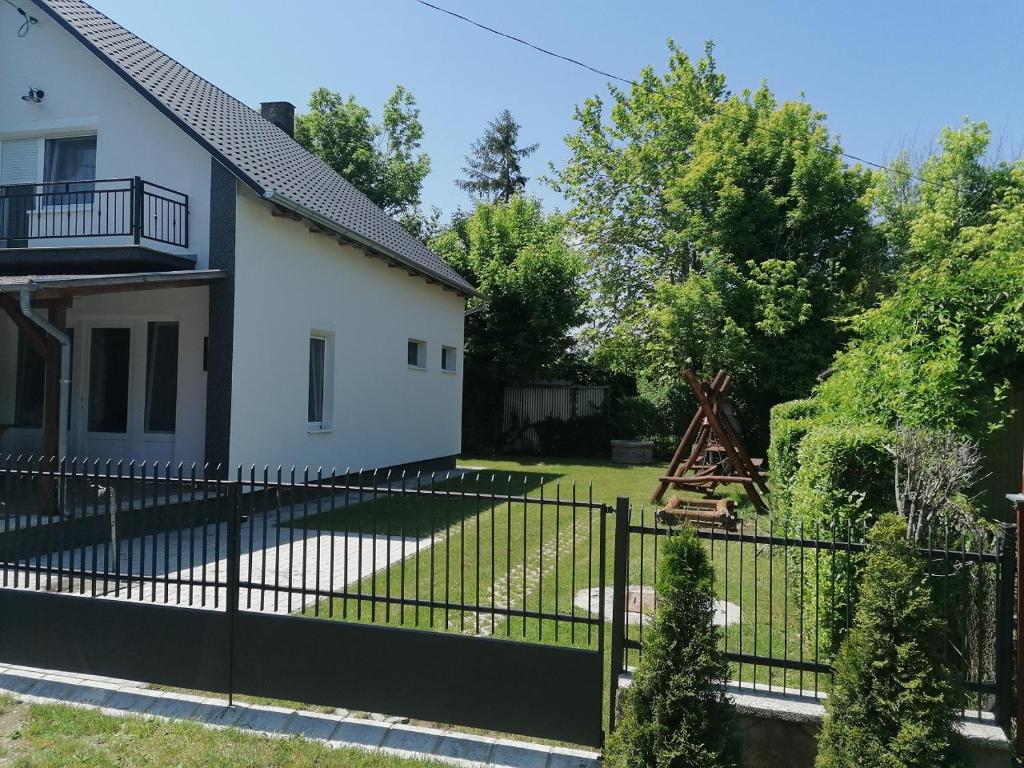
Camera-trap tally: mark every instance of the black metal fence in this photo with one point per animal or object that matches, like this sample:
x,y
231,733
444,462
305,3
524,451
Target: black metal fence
x,y
388,562
555,419
126,207
786,594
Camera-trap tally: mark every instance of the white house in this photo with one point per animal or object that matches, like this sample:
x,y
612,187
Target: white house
x,y
181,281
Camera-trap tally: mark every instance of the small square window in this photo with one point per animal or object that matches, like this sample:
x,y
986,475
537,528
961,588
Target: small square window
x,y
417,354
448,359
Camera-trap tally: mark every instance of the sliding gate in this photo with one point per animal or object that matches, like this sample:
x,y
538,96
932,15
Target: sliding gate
x,y
464,600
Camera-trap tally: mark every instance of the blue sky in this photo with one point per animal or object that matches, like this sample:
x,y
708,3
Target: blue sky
x,y
889,74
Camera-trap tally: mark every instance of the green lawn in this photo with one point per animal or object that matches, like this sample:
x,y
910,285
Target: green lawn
x,y
56,736
537,558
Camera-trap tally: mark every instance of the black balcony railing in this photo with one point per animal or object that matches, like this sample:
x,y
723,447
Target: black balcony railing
x,y
111,208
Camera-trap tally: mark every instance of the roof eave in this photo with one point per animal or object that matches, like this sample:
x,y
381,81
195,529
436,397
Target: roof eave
x,y
322,221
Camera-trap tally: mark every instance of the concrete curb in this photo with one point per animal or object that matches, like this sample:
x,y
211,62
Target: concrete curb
x,y
120,697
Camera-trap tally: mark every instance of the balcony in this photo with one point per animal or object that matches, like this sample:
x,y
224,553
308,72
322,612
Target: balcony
x,y
96,225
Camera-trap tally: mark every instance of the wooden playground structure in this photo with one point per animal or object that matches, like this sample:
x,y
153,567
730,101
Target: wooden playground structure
x,y
710,454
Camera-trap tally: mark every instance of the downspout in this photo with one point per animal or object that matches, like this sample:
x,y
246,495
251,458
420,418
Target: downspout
x,y
65,367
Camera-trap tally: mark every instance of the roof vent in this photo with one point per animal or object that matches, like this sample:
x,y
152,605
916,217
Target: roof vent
x,y
281,114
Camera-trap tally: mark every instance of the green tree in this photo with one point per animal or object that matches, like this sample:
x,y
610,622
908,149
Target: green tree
x,y
945,349
532,298
493,170
528,276
894,703
381,159
676,713
680,181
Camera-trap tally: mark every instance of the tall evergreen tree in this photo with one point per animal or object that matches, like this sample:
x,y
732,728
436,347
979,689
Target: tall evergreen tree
x,y
894,703
492,169
676,714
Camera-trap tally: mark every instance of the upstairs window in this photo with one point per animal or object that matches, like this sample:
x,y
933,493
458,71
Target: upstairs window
x,y
71,160
417,354
448,359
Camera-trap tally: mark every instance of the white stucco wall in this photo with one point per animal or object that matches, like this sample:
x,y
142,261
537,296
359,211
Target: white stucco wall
x,y
290,282
84,96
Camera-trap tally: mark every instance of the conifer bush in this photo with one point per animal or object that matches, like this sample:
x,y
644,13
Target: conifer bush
x,y
676,714
894,702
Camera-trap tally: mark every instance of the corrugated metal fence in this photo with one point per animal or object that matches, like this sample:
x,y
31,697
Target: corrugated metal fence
x,y
526,407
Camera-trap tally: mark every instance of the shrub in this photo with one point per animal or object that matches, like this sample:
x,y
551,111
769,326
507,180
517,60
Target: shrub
x,y
676,713
789,423
842,483
894,702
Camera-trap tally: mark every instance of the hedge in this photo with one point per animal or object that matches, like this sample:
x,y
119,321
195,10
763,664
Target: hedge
x,y
789,423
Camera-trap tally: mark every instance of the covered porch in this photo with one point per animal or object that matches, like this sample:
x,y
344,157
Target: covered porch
x,y
105,367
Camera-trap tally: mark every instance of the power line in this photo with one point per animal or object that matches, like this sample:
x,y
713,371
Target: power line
x,y
629,81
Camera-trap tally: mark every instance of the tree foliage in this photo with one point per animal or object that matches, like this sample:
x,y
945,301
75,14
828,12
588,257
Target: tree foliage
x,y
381,159
493,166
894,703
528,275
704,214
676,713
945,349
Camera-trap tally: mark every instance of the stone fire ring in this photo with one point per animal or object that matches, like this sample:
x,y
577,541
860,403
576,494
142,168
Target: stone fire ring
x,y
640,605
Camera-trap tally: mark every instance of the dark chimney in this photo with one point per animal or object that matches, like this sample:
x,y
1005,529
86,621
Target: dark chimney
x,y
281,114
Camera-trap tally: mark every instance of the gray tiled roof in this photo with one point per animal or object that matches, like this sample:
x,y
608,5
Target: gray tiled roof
x,y
263,156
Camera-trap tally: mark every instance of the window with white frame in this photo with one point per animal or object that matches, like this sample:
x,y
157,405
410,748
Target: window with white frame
x,y
448,359
417,353
321,354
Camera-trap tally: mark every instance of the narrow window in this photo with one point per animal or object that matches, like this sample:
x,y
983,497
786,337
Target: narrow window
x,y
30,384
317,365
417,354
448,359
162,377
109,365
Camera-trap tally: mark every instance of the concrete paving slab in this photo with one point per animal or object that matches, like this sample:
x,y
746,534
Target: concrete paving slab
x,y
312,726
131,700
361,733
18,683
267,719
217,713
466,747
572,758
94,694
409,738
517,754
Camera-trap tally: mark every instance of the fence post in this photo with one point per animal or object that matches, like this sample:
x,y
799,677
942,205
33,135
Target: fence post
x,y
234,555
1004,626
620,574
137,209
1018,500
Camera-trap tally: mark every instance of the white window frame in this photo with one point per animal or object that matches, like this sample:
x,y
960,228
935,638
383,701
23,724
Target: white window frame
x,y
326,424
421,355
452,354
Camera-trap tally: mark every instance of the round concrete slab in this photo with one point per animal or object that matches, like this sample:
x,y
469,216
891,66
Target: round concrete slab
x,y
640,605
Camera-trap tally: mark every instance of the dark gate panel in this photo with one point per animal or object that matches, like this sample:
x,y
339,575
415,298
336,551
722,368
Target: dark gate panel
x,y
528,688
162,644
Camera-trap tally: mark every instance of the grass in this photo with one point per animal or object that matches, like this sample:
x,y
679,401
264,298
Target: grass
x,y
537,559
57,736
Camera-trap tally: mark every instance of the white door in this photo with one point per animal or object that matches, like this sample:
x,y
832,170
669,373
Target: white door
x,y
104,423
126,390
